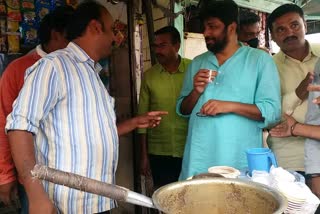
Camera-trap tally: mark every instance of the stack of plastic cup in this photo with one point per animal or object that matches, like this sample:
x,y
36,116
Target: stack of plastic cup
x,y
295,194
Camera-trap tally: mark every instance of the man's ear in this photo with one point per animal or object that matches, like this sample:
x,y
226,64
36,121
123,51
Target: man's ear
x,y
94,26
54,35
177,46
233,27
305,26
272,34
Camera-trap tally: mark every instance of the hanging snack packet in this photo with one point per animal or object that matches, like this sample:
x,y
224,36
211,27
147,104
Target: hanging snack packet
x,y
13,4
29,35
120,32
12,26
13,10
3,10
14,15
57,3
3,25
29,18
73,3
13,42
3,43
27,5
42,8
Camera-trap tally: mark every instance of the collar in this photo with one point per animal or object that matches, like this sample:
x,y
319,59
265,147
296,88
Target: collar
x,y
312,52
211,57
315,51
181,68
81,56
40,51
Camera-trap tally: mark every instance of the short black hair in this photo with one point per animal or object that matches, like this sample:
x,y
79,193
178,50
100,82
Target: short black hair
x,y
84,13
282,10
56,20
174,33
225,10
248,18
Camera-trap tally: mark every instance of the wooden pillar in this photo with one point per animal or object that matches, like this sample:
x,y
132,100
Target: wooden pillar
x,y
150,27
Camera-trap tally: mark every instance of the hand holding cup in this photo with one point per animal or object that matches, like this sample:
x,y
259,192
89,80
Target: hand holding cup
x,y
202,78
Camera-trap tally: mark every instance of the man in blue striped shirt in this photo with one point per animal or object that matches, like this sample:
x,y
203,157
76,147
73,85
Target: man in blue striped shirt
x,y
64,118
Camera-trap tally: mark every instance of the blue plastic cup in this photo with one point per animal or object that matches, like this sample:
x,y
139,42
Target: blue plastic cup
x,y
260,159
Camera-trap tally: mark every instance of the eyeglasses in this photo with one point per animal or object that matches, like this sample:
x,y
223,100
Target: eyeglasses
x,y
199,114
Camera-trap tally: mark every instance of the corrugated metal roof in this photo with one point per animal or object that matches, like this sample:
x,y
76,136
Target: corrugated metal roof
x,y
310,7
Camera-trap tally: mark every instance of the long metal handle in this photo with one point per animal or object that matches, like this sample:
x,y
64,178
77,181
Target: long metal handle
x,y
139,199
90,185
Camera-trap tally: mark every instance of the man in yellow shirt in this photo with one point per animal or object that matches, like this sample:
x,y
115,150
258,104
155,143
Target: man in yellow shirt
x,y
162,147
295,61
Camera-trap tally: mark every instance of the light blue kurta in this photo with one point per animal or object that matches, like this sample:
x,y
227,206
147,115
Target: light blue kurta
x,y
249,76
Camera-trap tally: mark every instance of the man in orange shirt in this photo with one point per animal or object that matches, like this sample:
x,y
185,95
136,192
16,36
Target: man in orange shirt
x,y
52,37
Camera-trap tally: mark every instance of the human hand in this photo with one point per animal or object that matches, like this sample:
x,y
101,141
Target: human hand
x,y
284,128
301,90
44,205
214,107
8,192
312,87
315,186
38,200
202,78
150,119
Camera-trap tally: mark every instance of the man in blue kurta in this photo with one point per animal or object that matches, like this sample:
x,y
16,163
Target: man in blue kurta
x,y
229,106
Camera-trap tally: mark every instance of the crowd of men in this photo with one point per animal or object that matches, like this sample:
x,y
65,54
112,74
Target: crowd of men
x,y
192,114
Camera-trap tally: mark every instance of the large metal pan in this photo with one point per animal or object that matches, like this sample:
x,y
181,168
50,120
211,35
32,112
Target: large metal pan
x,y
202,195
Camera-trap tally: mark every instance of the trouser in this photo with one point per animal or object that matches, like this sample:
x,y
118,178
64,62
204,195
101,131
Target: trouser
x,y
23,200
165,169
105,212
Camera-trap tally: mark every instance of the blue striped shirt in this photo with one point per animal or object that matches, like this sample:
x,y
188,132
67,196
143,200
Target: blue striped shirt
x,y
65,104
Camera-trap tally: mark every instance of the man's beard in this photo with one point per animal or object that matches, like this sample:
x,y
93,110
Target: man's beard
x,y
219,44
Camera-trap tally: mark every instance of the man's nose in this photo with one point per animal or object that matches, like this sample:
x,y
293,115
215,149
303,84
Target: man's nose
x,y
207,32
289,31
157,50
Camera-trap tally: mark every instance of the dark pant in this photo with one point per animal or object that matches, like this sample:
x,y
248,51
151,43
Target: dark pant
x,y
105,212
165,169
23,200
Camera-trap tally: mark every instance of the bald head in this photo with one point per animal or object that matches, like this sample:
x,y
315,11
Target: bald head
x,y
84,14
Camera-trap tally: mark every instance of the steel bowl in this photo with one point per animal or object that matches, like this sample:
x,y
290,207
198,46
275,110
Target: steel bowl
x,y
218,196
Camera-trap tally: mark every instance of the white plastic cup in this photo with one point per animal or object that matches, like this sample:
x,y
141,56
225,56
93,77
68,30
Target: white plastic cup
x,y
225,171
210,73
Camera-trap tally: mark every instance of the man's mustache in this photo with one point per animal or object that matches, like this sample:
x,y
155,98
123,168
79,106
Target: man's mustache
x,y
290,38
209,38
159,55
